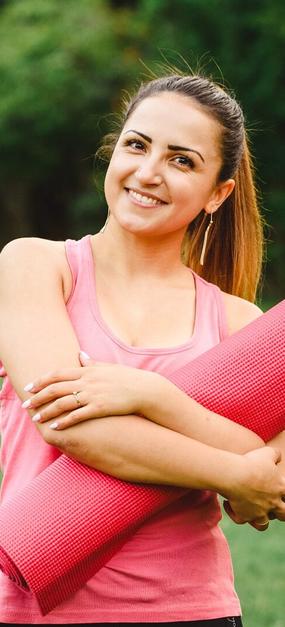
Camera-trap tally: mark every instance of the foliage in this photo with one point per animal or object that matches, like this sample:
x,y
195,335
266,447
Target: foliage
x,y
58,70
63,66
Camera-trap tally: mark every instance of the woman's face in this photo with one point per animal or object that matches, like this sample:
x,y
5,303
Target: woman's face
x,y
164,167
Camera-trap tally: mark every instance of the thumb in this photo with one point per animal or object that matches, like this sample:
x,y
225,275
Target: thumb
x,y
276,454
229,510
85,360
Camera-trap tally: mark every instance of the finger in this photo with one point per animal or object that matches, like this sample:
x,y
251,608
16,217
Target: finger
x,y
49,394
85,359
280,517
279,510
232,514
53,377
278,513
65,404
276,454
260,525
74,418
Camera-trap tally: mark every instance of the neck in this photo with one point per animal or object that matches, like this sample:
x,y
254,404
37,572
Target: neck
x,y
134,255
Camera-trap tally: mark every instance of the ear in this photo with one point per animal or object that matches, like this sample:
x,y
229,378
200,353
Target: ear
x,y
219,195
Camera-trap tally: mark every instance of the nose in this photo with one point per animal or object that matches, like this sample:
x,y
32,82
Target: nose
x,y
149,173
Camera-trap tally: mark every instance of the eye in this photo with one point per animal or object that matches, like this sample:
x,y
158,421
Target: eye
x,y
136,144
184,161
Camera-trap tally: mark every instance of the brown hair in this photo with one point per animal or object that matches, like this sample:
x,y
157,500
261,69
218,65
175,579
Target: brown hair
x,y
235,245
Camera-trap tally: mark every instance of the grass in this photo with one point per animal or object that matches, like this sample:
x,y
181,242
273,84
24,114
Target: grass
x,y
259,572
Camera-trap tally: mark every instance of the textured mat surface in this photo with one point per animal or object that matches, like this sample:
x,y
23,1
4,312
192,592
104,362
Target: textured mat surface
x,y
243,378
52,540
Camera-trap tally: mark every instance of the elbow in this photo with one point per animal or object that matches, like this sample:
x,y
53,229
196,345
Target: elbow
x,y
90,453
69,442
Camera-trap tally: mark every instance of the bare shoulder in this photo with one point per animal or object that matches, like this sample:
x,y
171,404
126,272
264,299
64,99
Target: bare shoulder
x,y
32,260
24,249
239,312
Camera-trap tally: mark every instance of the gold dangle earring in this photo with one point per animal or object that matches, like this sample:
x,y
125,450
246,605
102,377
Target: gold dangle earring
x,y
205,240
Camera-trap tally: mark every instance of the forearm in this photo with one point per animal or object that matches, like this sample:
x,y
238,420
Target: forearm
x,y
134,449
173,409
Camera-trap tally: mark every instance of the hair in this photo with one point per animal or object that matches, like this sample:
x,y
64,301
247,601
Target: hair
x,y
234,253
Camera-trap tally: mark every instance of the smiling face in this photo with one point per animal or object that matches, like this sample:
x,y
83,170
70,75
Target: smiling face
x,y
164,167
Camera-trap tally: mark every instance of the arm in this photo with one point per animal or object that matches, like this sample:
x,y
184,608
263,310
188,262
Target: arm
x,y
35,292
111,389
248,481
34,321
35,332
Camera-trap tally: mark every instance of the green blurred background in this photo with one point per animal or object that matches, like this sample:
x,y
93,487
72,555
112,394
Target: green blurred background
x,y
64,66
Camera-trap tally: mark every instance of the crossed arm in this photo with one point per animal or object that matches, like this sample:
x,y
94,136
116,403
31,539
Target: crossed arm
x,y
194,448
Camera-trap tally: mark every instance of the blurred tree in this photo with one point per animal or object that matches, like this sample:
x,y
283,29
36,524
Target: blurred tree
x,y
59,66
63,66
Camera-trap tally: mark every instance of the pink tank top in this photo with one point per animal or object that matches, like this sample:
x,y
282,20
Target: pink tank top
x,y
177,567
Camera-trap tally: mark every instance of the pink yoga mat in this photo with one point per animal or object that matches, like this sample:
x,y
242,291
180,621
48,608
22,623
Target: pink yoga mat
x,y
93,514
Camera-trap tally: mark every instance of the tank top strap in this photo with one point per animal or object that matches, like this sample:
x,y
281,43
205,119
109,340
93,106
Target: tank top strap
x,y
210,309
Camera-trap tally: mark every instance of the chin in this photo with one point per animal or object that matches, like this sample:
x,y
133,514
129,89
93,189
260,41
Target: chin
x,y
133,223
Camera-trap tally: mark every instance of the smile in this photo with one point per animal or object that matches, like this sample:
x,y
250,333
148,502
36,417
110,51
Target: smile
x,y
142,199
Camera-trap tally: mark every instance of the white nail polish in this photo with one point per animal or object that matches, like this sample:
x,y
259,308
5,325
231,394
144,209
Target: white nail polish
x,y
36,417
53,425
85,355
28,387
26,403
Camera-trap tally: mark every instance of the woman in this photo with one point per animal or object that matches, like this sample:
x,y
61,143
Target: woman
x,y
126,297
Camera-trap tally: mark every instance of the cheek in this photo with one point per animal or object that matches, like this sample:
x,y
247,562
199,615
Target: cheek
x,y
111,180
117,170
190,201
107,188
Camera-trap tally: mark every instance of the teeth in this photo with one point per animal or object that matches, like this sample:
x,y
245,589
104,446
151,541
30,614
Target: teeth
x,y
146,200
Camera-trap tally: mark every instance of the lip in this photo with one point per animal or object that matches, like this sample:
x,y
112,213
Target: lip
x,y
147,194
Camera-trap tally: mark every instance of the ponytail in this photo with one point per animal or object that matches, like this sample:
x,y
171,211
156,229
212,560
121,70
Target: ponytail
x,y
234,251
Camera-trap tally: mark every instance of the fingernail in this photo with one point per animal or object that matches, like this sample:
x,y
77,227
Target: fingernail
x,y
53,425
36,417
28,387
26,403
83,354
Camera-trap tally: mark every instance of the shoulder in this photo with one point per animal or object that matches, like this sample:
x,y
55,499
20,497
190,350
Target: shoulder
x,y
25,248
239,312
34,260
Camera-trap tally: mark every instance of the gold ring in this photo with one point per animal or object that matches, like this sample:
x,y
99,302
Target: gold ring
x,y
265,524
75,394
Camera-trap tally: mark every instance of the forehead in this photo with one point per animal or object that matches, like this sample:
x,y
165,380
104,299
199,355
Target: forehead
x,y
176,119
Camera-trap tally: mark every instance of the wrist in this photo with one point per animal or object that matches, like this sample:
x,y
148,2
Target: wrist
x,y
157,403
232,482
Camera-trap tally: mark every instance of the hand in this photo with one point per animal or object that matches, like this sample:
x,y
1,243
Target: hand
x,y
261,492
92,391
261,524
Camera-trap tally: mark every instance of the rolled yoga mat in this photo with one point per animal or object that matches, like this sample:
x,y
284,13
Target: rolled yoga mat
x,y
51,546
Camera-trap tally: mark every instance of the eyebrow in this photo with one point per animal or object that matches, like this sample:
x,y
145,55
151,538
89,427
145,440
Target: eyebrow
x,y
170,146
